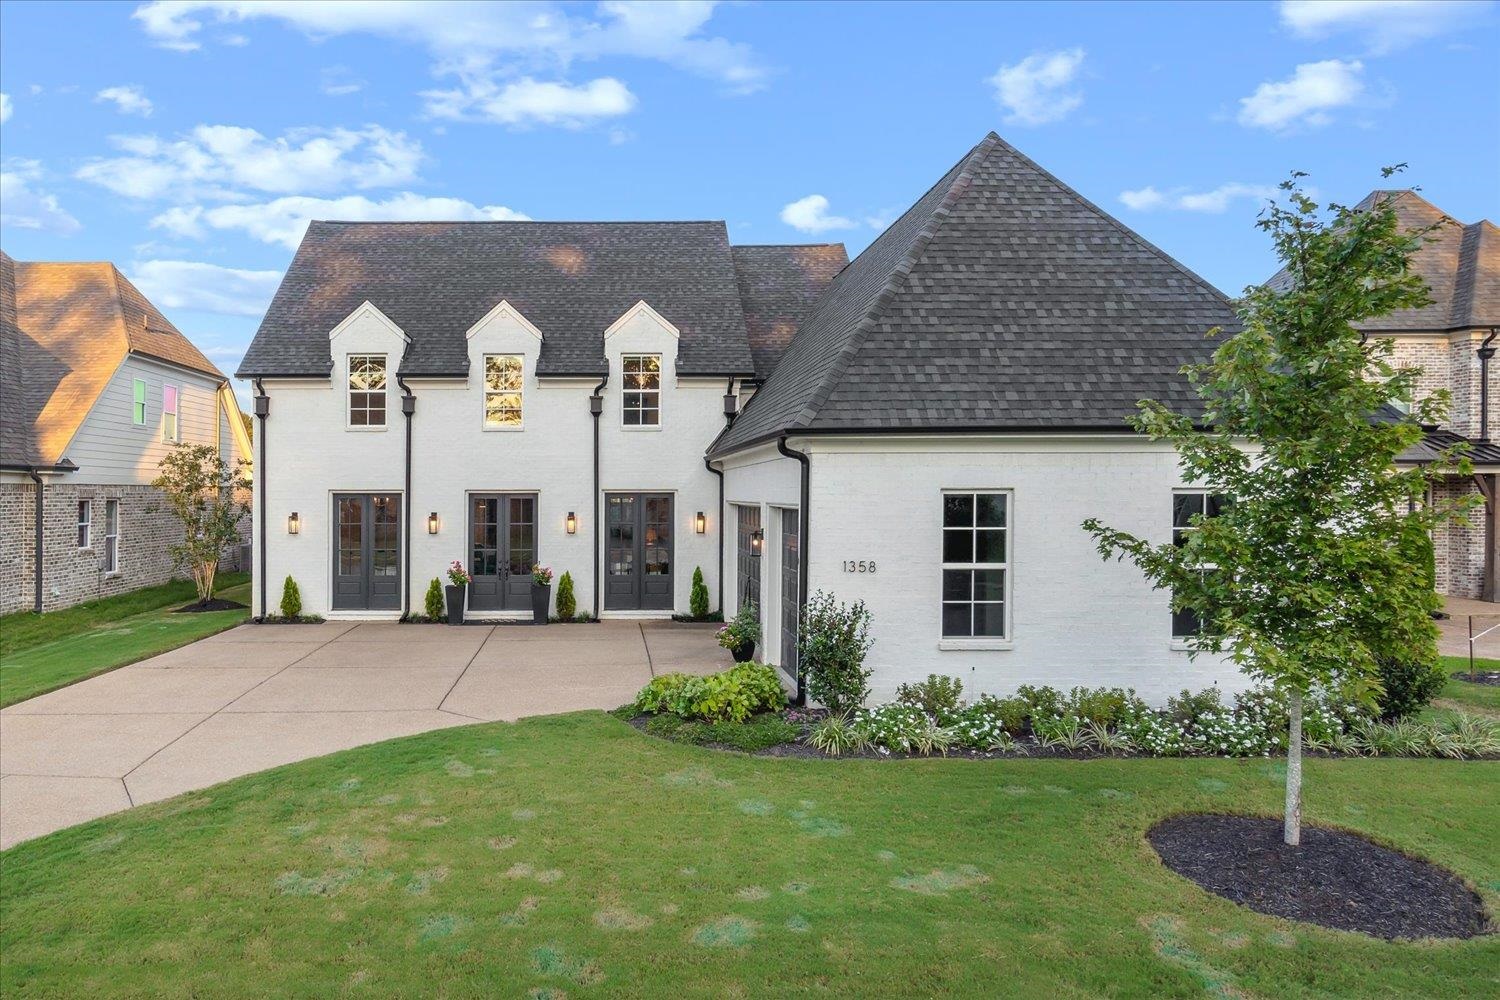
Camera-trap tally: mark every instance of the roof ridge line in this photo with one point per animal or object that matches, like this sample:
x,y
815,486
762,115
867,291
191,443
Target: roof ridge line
x,y
897,278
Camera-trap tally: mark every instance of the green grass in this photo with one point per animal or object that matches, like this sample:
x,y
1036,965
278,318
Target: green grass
x,y
575,855
1480,699
64,647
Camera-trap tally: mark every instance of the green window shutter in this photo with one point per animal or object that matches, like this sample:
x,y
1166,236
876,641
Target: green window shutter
x,y
139,409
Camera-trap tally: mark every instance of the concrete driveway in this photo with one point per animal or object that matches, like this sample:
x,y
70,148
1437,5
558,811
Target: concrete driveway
x,y
259,696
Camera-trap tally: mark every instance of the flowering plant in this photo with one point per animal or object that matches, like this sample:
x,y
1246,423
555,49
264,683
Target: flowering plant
x,y
743,628
457,575
541,576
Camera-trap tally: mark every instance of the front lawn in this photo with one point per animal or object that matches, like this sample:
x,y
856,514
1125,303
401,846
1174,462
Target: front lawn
x,y
574,855
44,652
1477,699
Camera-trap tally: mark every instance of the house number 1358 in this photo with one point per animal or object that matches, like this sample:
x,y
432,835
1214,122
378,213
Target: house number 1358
x,y
859,565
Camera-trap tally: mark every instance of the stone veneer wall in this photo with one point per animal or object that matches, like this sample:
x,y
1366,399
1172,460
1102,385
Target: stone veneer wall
x,y
70,574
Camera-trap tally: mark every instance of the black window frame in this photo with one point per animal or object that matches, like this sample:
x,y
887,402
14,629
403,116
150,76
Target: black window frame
x,y
372,399
1187,623
640,403
961,579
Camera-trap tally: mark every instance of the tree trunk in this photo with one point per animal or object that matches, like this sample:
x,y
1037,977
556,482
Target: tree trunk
x,y
1292,830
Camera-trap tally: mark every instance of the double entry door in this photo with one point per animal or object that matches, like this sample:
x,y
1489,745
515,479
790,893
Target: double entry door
x,y
502,550
638,552
367,552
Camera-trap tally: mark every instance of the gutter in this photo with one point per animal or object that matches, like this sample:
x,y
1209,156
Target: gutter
x,y
731,408
408,409
596,410
802,540
262,411
1122,430
39,551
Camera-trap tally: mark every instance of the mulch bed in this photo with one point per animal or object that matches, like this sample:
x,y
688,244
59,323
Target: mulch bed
x,y
1335,879
1490,677
217,604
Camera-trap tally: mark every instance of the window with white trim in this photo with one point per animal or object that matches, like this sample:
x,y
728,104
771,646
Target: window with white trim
x,y
502,391
642,395
976,566
1189,509
85,522
367,388
138,402
111,536
171,425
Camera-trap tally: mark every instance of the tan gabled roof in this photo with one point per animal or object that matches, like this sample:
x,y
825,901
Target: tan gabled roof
x,y
67,328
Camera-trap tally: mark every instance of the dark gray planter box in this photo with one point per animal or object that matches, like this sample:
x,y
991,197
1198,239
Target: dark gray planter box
x,y
455,597
541,600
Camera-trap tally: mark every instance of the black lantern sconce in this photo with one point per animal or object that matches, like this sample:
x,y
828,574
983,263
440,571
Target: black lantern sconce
x,y
757,541
571,523
294,524
700,523
433,523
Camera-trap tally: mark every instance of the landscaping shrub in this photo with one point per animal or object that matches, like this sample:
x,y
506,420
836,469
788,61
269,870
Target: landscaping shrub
x,y
567,603
1459,736
698,597
1409,687
733,695
1187,708
291,599
661,693
837,735
433,602
832,647
904,729
1011,713
940,697
1041,702
986,724
1103,706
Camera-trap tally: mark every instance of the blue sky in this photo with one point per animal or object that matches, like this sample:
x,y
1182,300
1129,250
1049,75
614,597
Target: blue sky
x,y
189,142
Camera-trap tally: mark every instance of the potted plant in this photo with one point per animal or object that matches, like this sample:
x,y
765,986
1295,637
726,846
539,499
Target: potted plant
x,y
541,593
741,634
458,582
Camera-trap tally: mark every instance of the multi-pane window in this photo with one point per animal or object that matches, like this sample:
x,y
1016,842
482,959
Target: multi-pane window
x,y
85,522
1188,507
747,563
975,564
138,404
111,536
642,390
502,390
171,428
367,377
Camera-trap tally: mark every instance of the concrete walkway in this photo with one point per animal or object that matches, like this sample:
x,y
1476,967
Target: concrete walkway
x,y
1454,637
259,696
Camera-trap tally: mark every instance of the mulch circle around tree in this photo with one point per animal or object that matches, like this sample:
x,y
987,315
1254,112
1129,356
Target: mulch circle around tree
x,y
217,604
1334,879
1490,677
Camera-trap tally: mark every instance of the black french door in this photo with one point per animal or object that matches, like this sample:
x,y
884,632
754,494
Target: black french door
x,y
791,590
367,552
638,552
502,550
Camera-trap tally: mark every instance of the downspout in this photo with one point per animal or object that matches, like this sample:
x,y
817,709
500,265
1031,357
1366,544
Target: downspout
x,y
408,408
41,499
1486,352
802,540
1491,488
596,410
262,411
731,408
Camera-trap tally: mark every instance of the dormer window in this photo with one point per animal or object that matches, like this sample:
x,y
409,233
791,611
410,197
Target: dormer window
x,y
502,391
367,385
642,396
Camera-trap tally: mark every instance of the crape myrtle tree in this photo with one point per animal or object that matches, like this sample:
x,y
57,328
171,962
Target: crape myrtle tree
x,y
1318,565
206,494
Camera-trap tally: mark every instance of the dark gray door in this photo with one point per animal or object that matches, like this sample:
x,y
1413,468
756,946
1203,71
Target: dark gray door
x,y
367,552
638,552
502,550
791,569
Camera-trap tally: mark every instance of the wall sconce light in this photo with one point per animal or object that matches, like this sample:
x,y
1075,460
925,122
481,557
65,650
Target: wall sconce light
x,y
294,524
757,541
433,523
700,523
572,523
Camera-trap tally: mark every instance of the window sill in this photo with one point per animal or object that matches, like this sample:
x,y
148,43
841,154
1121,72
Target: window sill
x,y
638,428
115,575
502,430
1182,645
971,644
366,430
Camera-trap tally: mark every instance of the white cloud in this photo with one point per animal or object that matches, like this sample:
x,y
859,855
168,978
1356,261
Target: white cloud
x,y
184,284
128,100
5,108
340,81
1381,25
1036,90
221,160
284,220
1217,201
810,215
1313,90
530,102
23,206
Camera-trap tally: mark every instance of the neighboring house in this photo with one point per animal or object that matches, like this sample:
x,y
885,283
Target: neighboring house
x,y
932,424
1453,340
96,385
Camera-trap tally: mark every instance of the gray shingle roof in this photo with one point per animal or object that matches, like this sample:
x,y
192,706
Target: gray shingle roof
x,y
778,285
1001,299
435,280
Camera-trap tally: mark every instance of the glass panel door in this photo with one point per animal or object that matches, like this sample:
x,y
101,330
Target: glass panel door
x,y
791,569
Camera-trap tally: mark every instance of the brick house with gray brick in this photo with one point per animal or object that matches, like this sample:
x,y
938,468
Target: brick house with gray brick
x,y
96,386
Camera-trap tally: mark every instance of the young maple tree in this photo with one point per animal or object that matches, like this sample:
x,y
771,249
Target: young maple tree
x,y
206,495
1318,565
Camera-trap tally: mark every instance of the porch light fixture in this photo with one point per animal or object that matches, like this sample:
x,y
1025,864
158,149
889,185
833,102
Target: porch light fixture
x,y
572,523
294,524
433,523
757,541
700,523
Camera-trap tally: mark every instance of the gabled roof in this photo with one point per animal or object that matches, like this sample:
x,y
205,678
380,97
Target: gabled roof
x,y
778,285
1001,300
66,329
570,279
